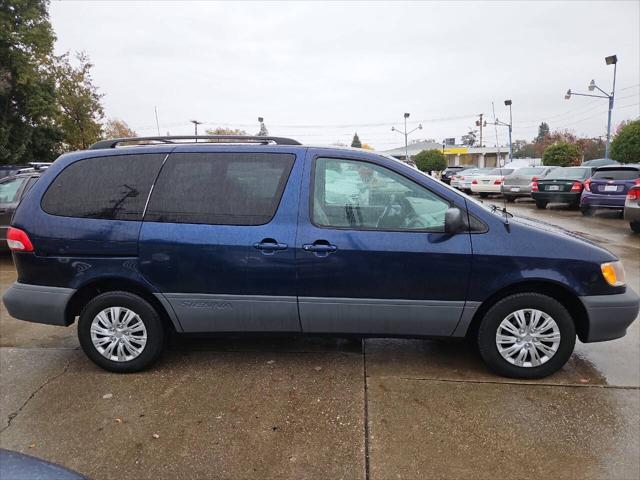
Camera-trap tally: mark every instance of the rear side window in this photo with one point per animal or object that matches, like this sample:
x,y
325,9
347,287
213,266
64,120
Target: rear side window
x,y
617,174
220,188
109,188
9,189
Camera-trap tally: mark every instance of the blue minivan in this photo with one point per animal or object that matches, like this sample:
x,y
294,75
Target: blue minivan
x,y
138,238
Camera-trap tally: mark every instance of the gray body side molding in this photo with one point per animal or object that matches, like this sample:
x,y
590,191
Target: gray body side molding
x,y
234,313
382,316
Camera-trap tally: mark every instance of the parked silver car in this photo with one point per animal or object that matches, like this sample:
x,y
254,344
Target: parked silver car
x,y
518,184
632,208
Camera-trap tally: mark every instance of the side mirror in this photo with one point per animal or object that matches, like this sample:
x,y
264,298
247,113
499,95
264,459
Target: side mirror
x,y
455,221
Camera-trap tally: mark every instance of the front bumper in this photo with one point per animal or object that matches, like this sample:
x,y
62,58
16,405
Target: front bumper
x,y
38,303
609,316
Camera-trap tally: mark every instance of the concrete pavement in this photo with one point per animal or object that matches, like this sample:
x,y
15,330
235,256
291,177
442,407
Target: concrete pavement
x,y
292,407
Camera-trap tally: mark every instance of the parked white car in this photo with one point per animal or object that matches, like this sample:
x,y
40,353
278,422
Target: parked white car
x,y
463,180
491,182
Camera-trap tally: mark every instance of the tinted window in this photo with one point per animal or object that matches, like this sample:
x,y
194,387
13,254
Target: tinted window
x,y
220,188
112,188
568,173
9,189
617,174
360,195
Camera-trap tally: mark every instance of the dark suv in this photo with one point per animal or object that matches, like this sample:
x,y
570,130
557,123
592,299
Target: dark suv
x,y
262,234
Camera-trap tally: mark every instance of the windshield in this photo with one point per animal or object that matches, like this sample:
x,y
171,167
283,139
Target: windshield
x,y
530,171
617,174
501,171
568,173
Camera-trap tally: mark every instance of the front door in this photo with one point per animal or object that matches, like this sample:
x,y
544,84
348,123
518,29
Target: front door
x,y
373,257
218,240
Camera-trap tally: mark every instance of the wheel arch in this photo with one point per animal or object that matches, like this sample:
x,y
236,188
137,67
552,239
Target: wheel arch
x,y
563,294
97,286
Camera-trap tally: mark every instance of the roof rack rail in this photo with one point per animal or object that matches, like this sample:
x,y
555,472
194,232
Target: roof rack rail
x,y
114,142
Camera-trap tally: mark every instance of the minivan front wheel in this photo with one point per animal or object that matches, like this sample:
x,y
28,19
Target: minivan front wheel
x,y
526,335
121,332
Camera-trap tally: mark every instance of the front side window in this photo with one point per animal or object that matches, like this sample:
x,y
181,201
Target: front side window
x,y
220,188
9,189
108,188
360,195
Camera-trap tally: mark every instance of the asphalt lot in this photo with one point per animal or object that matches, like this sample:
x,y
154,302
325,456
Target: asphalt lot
x,y
327,407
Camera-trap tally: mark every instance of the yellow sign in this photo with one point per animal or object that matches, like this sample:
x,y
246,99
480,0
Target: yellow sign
x,y
456,151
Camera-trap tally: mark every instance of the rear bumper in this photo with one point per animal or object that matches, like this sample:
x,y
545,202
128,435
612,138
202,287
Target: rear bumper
x,y
603,201
37,303
609,316
523,190
560,197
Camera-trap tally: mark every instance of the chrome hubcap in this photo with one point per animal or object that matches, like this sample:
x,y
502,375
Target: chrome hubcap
x,y
528,338
118,334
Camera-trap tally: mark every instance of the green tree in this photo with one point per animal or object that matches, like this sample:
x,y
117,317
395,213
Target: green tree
x,y
79,100
356,141
470,138
115,128
28,108
543,131
625,147
430,160
562,154
225,131
523,149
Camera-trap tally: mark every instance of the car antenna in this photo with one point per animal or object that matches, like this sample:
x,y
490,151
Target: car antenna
x,y
504,200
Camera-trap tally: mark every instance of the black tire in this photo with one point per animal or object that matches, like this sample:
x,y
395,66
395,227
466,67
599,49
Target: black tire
x,y
586,211
635,226
149,317
499,311
468,191
541,204
510,198
483,195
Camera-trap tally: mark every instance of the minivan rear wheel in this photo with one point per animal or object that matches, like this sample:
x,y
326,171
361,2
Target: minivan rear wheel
x,y
121,332
526,335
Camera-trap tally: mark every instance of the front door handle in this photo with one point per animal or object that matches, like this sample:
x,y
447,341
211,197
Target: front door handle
x,y
319,247
269,246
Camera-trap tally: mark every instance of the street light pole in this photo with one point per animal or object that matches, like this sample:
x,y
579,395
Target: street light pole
x,y
195,124
508,103
406,134
610,60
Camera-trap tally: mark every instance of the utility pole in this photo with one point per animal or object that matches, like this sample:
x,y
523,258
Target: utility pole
x,y
480,124
195,124
157,123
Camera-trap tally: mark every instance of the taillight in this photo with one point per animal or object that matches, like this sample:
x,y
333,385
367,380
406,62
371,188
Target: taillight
x,y
18,240
475,182
633,194
576,187
636,181
498,181
534,185
587,184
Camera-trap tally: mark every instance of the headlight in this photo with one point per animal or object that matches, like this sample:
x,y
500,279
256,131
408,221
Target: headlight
x,y
613,273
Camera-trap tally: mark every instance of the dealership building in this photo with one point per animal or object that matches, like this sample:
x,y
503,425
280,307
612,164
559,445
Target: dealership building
x,y
457,155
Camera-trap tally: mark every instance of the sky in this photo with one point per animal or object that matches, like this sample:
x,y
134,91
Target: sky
x,y
320,71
